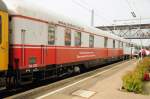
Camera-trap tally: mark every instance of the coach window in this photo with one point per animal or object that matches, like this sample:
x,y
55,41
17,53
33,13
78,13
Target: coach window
x,y
122,44
78,39
105,42
113,43
119,44
0,30
68,37
51,35
127,44
91,41
131,45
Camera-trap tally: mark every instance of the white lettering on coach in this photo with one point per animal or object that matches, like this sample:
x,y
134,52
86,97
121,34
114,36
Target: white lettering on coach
x,y
86,54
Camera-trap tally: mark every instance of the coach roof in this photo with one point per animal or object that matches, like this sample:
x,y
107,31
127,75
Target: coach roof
x,y
3,6
18,7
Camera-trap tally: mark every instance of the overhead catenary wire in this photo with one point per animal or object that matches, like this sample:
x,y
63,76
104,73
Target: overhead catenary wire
x,y
100,16
130,7
86,6
82,6
97,12
94,11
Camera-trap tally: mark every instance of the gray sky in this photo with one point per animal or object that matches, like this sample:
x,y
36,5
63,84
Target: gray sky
x,y
105,10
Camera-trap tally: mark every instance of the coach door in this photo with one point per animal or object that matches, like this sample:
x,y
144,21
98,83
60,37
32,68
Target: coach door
x,y
3,41
23,31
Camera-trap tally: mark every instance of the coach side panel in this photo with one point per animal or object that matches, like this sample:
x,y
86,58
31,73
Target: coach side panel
x,y
29,39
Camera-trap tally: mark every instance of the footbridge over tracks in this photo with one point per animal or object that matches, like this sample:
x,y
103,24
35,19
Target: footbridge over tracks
x,y
135,31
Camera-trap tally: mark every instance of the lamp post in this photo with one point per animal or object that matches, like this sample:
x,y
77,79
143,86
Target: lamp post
x,y
141,40
92,17
134,15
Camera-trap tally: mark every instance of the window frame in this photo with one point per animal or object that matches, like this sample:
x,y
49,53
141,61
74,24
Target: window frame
x,y
76,38
51,40
119,44
91,41
127,44
105,42
114,44
67,41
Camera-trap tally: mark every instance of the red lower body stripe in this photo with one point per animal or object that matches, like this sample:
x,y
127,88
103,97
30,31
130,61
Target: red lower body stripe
x,y
28,57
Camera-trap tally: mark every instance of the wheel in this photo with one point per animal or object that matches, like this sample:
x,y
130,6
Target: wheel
x,y
77,69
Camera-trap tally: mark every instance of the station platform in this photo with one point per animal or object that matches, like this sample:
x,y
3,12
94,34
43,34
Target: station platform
x,y
101,85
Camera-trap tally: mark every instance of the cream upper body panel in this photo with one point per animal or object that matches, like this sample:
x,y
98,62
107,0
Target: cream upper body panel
x,y
17,7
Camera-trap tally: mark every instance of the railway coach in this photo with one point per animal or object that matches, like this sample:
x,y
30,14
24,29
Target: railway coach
x,y
43,45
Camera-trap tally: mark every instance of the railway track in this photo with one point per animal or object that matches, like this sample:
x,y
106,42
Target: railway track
x,y
45,85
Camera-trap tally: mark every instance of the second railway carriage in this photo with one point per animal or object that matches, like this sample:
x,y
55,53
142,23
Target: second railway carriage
x,y
44,45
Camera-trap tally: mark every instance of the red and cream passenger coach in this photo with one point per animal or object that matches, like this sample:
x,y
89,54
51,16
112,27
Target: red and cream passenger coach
x,y
45,45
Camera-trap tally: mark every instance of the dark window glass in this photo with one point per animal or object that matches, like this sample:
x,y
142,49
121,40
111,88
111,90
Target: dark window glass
x,y
78,39
68,37
0,29
51,35
113,43
105,42
91,41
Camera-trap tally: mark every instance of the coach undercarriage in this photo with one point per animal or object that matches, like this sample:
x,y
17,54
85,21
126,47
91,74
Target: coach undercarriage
x,y
2,80
23,77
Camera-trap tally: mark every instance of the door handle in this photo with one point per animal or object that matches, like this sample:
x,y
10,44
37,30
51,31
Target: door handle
x,y
2,46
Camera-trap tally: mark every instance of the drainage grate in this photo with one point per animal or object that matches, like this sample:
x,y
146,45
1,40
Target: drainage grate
x,y
84,93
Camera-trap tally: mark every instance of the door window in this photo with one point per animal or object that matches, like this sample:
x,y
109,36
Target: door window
x,y
68,37
51,35
78,39
91,41
105,42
